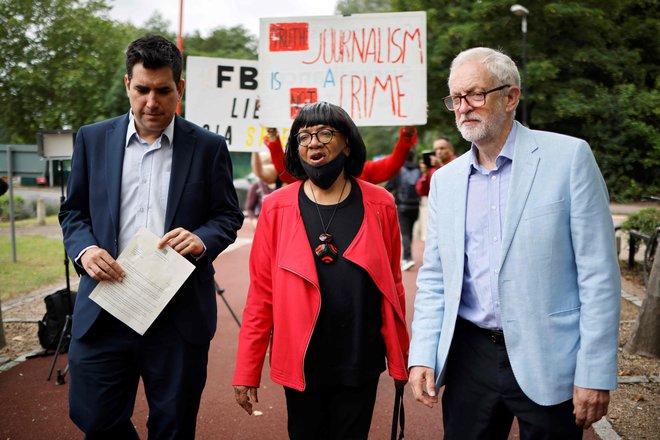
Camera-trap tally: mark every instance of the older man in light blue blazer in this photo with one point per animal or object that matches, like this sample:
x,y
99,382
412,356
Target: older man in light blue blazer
x,y
518,304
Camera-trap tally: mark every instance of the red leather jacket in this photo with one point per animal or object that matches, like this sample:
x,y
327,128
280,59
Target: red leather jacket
x,y
284,297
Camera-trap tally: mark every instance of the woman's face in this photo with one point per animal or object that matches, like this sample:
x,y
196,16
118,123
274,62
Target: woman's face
x,y
318,153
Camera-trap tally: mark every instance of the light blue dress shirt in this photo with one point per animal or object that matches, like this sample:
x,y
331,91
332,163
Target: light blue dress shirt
x,y
487,197
145,183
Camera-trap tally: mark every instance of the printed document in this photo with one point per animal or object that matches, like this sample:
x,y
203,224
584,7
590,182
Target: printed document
x,y
152,277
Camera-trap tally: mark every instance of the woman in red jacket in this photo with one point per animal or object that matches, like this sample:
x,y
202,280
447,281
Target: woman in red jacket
x,y
325,285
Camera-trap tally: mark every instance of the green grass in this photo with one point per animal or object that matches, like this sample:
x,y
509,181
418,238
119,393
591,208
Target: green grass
x,y
39,262
50,220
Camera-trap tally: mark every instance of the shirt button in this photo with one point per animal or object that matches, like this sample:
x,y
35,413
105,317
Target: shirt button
x,y
494,238
493,207
141,209
493,177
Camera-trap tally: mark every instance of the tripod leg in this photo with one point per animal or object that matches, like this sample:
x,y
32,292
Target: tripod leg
x,y
64,334
220,292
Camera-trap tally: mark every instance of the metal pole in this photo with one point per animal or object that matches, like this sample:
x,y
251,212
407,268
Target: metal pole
x,y
179,43
10,178
524,69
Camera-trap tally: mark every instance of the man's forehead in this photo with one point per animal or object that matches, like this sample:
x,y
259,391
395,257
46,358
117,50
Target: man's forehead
x,y
469,76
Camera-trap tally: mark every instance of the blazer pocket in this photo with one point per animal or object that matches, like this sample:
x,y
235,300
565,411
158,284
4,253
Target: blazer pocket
x,y
541,210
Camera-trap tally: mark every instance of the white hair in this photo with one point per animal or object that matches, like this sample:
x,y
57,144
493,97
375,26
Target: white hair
x,y
501,66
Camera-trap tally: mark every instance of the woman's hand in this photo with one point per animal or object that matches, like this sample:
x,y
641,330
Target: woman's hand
x,y
243,396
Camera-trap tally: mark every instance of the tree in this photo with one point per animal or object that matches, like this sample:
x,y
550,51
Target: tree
x,y
59,59
593,72
234,42
645,339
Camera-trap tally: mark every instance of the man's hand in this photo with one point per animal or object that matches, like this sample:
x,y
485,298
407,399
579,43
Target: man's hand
x,y
182,241
243,396
422,383
589,405
100,265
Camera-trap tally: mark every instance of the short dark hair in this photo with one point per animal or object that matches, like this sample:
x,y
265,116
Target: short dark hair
x,y
154,52
324,113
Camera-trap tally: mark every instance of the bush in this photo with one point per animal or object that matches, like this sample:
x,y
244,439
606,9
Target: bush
x,y
644,221
21,210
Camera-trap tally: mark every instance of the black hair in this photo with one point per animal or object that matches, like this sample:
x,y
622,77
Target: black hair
x,y
154,52
324,113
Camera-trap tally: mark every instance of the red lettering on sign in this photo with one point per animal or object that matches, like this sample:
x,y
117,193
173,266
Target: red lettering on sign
x,y
285,37
298,97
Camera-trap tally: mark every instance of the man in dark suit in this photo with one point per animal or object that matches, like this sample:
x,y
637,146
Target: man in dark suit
x,y
148,168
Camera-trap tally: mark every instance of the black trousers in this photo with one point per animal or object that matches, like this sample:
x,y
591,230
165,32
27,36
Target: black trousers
x,y
407,219
482,396
335,412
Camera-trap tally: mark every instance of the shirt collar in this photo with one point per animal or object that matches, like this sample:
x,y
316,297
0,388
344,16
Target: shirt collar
x,y
168,132
505,154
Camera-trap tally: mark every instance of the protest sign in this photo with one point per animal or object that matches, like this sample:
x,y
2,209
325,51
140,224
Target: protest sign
x,y
222,96
372,65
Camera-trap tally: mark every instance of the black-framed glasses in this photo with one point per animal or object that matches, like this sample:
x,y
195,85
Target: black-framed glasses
x,y
475,99
324,136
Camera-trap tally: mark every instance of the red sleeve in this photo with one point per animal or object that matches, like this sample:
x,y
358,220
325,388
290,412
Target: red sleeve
x,y
382,170
423,185
254,335
277,156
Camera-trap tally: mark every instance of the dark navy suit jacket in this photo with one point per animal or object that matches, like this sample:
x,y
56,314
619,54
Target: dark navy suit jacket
x,y
202,199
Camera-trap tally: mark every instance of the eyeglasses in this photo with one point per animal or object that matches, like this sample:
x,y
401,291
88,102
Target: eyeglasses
x,y
324,136
473,99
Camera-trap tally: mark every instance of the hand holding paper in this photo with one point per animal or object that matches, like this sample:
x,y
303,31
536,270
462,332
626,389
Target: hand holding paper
x,y
152,276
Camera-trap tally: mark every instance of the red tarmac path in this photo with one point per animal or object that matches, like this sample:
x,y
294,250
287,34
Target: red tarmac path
x,y
32,408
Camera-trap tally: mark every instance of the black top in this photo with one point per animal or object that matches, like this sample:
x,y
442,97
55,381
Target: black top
x,y
347,347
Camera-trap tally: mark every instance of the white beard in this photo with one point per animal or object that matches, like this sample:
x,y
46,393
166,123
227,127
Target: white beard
x,y
487,128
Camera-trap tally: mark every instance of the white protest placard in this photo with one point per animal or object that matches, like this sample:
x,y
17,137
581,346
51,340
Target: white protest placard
x,y
372,65
222,96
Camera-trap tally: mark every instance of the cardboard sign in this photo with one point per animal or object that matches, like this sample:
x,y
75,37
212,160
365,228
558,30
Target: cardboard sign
x,y
222,96
372,65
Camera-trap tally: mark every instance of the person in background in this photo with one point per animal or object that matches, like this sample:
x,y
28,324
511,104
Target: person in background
x,y
148,168
325,285
407,204
443,154
518,297
265,184
374,171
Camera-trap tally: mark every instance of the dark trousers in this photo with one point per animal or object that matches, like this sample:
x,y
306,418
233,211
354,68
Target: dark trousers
x,y
106,366
407,218
481,394
331,412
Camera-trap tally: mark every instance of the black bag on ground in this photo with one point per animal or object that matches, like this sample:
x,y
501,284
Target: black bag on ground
x,y
52,324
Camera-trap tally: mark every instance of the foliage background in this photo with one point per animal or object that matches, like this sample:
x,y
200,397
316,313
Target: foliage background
x,y
592,70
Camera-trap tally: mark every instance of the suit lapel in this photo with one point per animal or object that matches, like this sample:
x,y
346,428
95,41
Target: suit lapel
x,y
459,209
525,163
182,154
115,146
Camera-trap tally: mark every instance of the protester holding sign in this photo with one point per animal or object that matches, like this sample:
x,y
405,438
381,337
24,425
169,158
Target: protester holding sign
x,y
325,289
374,171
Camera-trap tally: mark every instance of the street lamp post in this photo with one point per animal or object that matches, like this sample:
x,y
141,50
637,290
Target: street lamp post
x,y
523,12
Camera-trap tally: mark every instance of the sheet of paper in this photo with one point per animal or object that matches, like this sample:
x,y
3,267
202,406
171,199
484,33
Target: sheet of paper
x,y
152,278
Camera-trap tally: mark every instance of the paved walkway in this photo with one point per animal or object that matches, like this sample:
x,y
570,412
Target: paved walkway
x,y
31,407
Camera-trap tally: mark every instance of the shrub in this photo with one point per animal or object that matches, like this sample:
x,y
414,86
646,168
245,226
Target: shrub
x,y
645,221
21,210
